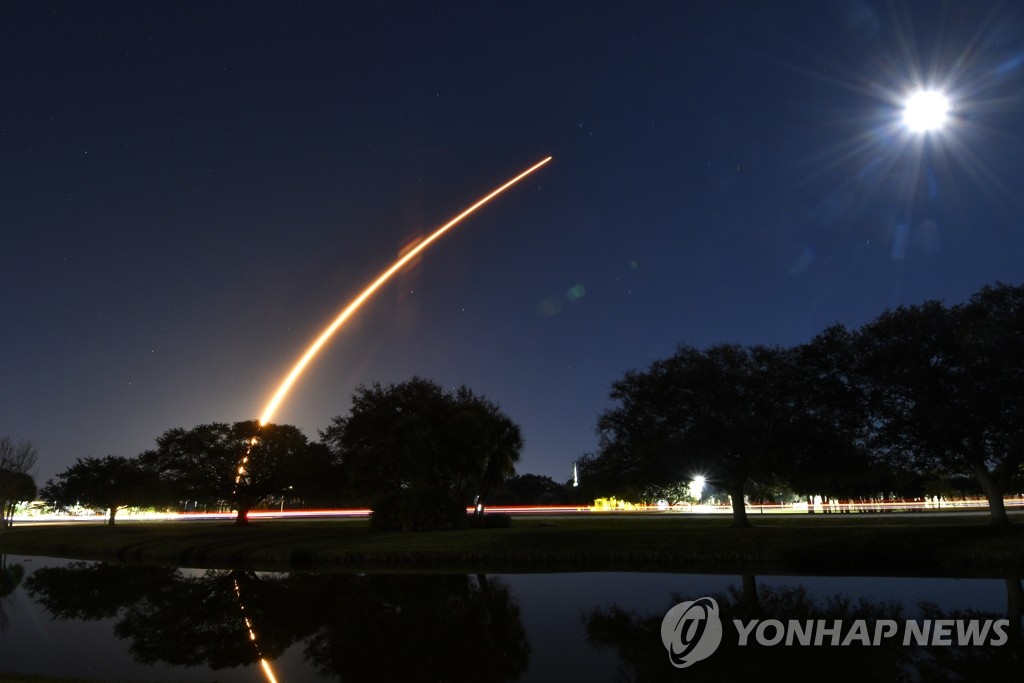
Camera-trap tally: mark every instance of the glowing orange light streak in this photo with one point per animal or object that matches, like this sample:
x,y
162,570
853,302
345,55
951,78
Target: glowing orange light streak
x,y
325,336
268,670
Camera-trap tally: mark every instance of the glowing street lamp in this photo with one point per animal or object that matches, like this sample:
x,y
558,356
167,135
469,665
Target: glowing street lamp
x,y
696,487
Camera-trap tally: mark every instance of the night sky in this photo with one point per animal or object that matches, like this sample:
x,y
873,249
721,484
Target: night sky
x,y
190,191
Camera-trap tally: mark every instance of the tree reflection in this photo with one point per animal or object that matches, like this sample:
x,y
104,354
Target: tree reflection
x,y
169,615
10,578
354,627
90,591
199,620
976,663
401,628
636,639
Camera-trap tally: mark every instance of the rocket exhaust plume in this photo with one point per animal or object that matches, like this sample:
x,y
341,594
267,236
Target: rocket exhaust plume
x,y
325,336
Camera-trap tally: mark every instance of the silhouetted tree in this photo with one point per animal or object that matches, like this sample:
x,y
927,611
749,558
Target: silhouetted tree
x,y
318,482
728,412
110,483
419,454
243,463
834,422
947,387
17,483
15,487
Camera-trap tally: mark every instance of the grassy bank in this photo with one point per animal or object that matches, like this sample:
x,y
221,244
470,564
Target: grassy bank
x,y
882,545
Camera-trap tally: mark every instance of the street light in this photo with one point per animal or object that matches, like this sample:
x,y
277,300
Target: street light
x,y
696,487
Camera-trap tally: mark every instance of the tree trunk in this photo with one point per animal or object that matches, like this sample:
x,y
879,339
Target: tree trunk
x,y
739,509
749,605
113,513
242,519
994,494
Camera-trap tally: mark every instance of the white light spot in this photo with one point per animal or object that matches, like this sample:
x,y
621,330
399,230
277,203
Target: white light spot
x,y
926,110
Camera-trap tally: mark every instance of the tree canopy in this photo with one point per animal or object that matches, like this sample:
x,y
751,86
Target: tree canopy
x,y
947,387
15,487
729,413
243,463
418,455
919,391
109,483
17,483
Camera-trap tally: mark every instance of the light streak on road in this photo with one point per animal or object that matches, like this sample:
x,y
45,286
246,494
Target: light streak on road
x,y
325,336
1014,504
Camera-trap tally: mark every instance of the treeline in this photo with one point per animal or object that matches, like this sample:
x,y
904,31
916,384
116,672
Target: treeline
x,y
413,452
931,391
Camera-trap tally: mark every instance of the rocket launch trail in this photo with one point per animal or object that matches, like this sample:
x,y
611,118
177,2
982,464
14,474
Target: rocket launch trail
x,y
356,303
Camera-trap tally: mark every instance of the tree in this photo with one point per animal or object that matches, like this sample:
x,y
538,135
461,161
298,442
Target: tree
x,y
17,485
243,463
418,455
834,422
947,387
109,483
729,412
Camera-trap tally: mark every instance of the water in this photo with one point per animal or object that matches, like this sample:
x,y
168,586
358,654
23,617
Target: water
x,y
124,623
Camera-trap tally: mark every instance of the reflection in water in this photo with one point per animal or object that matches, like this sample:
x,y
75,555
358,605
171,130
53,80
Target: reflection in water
x,y
636,639
10,578
383,627
268,670
352,627
166,614
400,628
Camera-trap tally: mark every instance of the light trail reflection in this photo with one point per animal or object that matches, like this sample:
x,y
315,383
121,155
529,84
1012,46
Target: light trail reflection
x,y
268,670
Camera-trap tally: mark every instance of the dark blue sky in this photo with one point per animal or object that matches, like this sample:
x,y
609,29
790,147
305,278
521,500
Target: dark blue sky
x,y
190,191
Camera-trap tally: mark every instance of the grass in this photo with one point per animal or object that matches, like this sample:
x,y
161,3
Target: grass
x,y
880,545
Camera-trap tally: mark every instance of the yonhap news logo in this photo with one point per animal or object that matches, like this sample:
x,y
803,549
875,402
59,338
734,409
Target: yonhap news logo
x,y
692,631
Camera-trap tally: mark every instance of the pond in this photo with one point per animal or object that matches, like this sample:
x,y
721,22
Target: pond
x,y
131,623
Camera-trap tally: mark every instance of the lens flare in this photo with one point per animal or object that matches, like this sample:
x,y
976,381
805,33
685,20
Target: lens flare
x,y
354,305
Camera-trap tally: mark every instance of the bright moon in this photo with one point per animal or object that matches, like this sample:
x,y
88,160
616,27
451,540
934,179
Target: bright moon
x,y
926,110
